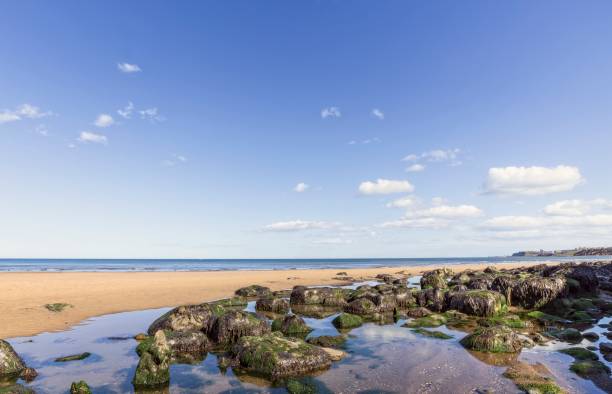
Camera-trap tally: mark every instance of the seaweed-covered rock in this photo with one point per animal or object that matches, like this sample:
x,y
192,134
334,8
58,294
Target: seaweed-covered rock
x,y
533,379
16,388
477,302
229,327
361,306
153,369
80,387
432,320
568,334
73,357
580,353
187,345
275,356
276,305
254,291
437,278
327,340
347,320
328,296
186,318
431,333
585,275
315,311
498,339
404,297
10,362
589,368
418,312
432,298
232,302
480,283
531,292
291,325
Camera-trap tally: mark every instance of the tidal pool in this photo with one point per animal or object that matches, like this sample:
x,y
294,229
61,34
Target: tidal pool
x,y
381,359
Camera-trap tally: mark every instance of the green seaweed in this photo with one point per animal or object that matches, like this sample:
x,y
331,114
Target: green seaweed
x,y
57,307
431,334
347,320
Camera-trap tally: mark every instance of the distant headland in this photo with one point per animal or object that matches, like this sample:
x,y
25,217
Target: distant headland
x,y
605,251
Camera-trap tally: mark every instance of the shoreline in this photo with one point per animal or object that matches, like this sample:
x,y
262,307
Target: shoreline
x,y
100,293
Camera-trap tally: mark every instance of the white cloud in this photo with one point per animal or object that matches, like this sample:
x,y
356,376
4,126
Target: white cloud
x,y
404,202
576,207
330,112
532,180
88,136
332,241
378,114
126,112
434,223
26,111
385,186
151,114
365,142
447,212
41,129
176,159
104,120
299,225
128,68
415,168
301,187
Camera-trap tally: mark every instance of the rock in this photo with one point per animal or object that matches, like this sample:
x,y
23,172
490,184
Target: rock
x,y
580,353
361,306
437,278
254,291
141,337
28,374
605,347
432,298
291,325
433,320
418,312
153,369
187,318
530,292
16,388
73,357
347,320
295,386
538,338
10,362
315,311
229,327
275,356
532,379
187,346
498,339
589,368
327,340
591,336
584,274
276,305
568,334
431,334
403,297
328,296
477,302
233,302
480,283
342,274
80,387
334,354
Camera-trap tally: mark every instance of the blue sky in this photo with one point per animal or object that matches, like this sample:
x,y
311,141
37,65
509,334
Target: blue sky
x,y
304,129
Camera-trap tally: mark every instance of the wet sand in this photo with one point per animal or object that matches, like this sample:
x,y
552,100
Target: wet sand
x,y
23,295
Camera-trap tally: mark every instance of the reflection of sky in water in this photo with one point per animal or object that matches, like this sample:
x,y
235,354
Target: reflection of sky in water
x,y
386,358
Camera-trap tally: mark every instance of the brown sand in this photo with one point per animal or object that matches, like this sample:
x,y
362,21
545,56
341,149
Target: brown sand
x,y
23,295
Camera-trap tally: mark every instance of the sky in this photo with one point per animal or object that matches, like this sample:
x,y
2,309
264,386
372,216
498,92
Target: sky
x,y
311,129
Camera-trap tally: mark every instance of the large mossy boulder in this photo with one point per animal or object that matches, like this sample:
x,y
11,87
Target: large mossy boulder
x,y
362,306
437,279
346,321
482,303
328,340
80,387
232,325
433,299
498,339
187,346
329,296
187,318
404,297
585,275
291,325
254,291
11,365
232,302
531,292
274,356
153,369
15,388
269,304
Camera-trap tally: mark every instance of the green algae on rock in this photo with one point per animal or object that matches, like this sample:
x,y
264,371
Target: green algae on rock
x,y
254,291
328,340
532,379
80,387
478,302
73,357
497,339
10,362
153,368
580,353
291,325
57,307
347,320
432,334
433,320
269,304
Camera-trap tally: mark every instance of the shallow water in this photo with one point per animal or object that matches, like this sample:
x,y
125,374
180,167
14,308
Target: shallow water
x,y
381,358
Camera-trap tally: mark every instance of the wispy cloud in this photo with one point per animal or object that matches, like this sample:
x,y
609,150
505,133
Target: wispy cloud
x,y
299,225
451,156
301,187
41,129
152,115
24,111
87,137
529,181
385,186
104,120
367,141
128,68
331,112
378,114
126,112
415,168
176,159
332,241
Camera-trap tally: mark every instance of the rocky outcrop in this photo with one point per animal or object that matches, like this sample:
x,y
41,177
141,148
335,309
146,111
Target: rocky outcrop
x,y
80,387
274,356
497,339
153,369
437,279
432,299
347,320
187,346
11,365
532,292
584,275
291,325
254,291
276,305
483,303
327,296
187,318
229,327
328,340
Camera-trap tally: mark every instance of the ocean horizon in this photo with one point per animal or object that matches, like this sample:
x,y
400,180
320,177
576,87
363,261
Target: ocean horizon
x,y
169,265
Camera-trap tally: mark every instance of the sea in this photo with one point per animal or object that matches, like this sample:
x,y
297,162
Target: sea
x,y
167,265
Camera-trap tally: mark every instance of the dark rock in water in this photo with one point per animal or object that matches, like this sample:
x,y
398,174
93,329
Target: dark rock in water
x,y
315,311
73,357
254,291
568,334
327,340
432,298
530,292
153,369
342,274
477,302
229,327
605,347
498,339
418,312
187,346
580,353
295,386
347,320
585,275
480,283
80,387
16,388
437,278
187,318
533,379
589,368
591,336
291,325
275,356
10,362
276,305
119,338
389,278
431,334
432,320
361,306
28,374
328,296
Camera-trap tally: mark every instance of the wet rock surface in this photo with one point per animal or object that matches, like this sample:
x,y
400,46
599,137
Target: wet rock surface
x,y
10,362
153,368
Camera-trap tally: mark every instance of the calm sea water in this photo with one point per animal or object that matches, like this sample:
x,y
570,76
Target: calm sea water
x,y
33,265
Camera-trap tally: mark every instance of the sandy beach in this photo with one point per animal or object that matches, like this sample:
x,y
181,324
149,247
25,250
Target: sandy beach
x,y
24,295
